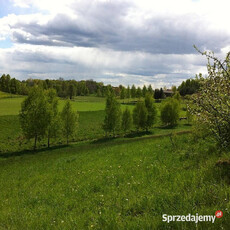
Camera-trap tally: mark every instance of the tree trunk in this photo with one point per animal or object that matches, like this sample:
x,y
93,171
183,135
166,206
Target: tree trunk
x,y
35,142
48,141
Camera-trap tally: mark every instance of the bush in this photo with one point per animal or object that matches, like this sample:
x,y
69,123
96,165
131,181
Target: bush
x,y
170,112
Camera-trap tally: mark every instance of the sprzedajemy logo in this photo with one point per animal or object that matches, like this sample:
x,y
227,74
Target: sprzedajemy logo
x,y
193,218
218,214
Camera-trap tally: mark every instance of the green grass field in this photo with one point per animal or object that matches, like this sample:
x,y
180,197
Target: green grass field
x,y
98,183
8,95
113,186
11,106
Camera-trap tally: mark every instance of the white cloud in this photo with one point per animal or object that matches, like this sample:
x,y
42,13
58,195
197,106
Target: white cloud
x,y
107,65
127,42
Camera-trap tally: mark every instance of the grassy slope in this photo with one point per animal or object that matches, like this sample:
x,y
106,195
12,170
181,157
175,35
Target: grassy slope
x,y
10,106
89,128
104,186
110,186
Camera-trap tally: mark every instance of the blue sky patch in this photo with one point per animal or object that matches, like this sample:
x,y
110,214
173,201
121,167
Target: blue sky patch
x,y
6,43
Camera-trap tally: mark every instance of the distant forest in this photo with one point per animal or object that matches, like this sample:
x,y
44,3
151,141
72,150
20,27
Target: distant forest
x,y
71,88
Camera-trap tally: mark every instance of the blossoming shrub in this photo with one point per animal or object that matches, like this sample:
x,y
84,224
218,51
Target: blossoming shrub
x,y
211,104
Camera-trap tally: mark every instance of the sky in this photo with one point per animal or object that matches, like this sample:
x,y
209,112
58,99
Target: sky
x,y
117,42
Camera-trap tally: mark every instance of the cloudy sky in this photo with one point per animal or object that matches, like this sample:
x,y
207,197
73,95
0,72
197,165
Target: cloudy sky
x,y
117,42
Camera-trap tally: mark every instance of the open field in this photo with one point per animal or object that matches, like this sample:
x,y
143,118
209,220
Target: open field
x,y
12,105
104,186
98,183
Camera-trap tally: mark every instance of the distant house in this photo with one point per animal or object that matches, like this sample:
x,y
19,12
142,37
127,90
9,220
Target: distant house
x,y
168,92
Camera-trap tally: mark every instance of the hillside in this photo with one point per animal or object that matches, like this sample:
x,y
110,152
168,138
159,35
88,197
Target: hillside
x,y
104,186
114,183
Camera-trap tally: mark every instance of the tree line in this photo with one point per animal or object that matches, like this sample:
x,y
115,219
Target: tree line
x,y
190,86
72,88
64,88
143,116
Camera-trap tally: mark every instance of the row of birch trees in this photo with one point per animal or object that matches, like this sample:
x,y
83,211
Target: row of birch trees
x,y
40,118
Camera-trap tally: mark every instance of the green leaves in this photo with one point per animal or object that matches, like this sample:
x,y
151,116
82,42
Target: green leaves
x,y
34,115
151,110
144,113
140,115
126,120
112,119
39,116
170,112
69,121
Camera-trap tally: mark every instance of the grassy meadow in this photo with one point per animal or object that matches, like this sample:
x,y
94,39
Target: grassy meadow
x,y
113,186
96,183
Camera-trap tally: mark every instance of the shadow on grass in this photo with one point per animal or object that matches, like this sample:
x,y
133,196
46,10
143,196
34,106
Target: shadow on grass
x,y
129,103
104,140
138,134
129,135
30,152
167,127
187,124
